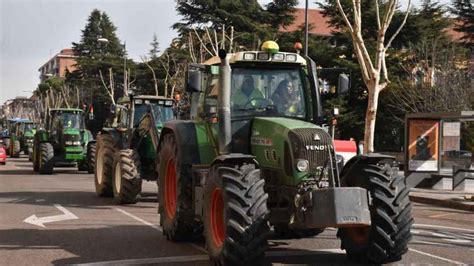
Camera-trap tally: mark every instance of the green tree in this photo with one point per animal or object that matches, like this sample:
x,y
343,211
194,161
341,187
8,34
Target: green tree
x,y
98,50
155,48
464,10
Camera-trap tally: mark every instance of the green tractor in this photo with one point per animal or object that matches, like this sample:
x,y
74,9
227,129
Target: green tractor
x,y
256,154
21,138
63,142
125,150
12,146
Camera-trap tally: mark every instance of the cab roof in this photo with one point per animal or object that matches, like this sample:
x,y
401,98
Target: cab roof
x,y
260,57
126,99
66,110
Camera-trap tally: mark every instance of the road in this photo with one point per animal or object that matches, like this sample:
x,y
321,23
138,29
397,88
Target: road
x,y
93,230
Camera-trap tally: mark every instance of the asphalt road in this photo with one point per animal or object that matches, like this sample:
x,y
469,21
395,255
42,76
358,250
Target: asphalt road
x,y
86,229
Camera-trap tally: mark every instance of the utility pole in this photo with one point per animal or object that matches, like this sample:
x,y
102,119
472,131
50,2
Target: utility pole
x,y
125,82
306,29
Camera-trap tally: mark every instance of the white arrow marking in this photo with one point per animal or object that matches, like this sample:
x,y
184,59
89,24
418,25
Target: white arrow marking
x,y
67,215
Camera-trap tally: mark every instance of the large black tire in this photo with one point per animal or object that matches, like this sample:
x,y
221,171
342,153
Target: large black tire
x,y
91,152
6,142
16,149
127,183
83,165
175,193
386,239
235,216
36,157
46,164
283,231
103,172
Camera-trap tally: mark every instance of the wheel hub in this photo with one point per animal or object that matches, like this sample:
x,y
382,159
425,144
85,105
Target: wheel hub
x,y
217,217
170,188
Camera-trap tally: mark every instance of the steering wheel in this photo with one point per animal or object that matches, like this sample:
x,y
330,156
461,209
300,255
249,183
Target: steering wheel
x,y
259,103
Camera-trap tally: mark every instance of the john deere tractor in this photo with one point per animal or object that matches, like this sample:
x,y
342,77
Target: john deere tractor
x,y
21,138
256,154
62,143
11,143
125,150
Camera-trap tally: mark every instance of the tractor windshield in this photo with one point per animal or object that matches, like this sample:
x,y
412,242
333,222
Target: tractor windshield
x,y
29,127
71,120
140,110
162,113
267,92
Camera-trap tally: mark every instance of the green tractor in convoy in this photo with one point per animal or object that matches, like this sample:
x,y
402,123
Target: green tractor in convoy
x,y
12,146
256,154
63,142
21,138
125,149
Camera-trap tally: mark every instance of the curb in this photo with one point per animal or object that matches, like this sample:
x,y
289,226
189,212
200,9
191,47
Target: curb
x,y
442,203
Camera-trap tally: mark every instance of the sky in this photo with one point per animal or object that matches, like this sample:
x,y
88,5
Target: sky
x,y
32,31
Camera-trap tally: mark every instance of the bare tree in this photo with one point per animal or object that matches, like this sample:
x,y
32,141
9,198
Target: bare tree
x,y
374,72
155,81
110,89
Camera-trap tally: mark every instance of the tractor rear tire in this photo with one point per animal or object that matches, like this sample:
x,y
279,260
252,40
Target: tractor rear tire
x,y
6,143
284,232
127,183
175,193
46,164
386,239
91,151
235,216
16,149
103,172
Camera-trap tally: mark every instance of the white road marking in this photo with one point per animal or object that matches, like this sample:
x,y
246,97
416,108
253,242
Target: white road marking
x,y
67,215
156,227
195,258
437,257
458,241
40,200
442,215
442,227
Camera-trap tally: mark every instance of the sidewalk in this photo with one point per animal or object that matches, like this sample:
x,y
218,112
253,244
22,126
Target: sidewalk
x,y
445,198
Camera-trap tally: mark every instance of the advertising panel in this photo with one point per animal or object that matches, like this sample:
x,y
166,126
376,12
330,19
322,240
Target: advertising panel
x,y
423,148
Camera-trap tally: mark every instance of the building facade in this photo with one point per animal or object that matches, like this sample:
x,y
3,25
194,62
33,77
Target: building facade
x,y
58,65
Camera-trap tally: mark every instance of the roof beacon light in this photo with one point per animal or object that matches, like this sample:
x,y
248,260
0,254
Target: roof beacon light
x,y
270,47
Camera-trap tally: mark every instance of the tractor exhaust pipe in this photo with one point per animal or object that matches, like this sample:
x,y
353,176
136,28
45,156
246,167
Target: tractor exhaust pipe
x,y
223,104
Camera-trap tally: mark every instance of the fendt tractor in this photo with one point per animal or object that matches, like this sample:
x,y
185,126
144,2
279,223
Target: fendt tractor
x,y
21,138
257,155
125,149
62,142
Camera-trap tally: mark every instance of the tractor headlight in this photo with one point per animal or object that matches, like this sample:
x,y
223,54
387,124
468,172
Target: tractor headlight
x,y
68,142
76,143
29,140
302,165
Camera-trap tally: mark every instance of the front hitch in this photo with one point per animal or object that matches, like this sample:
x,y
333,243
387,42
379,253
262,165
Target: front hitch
x,y
331,207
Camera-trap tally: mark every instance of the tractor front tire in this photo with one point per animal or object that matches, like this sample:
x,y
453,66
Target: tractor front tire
x,y
386,239
46,155
103,172
127,183
16,149
235,216
175,193
36,158
91,152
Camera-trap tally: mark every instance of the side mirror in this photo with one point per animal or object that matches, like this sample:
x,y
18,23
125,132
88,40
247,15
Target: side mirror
x,y
343,85
194,81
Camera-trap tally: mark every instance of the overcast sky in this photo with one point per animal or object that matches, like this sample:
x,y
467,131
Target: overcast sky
x,y
31,31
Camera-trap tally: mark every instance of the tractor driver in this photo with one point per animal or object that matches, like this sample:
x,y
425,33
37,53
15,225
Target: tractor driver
x,y
243,98
286,99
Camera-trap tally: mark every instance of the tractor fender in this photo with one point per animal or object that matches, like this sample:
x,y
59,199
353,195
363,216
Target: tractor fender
x,y
186,138
235,159
120,142
371,158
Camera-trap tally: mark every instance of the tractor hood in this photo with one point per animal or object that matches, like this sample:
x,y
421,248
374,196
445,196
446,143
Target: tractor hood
x,y
71,131
278,143
30,133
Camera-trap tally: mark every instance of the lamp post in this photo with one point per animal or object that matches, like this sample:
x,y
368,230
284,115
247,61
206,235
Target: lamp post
x,y
306,29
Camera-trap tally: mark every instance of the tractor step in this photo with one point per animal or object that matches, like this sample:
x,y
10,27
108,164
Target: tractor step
x,y
332,207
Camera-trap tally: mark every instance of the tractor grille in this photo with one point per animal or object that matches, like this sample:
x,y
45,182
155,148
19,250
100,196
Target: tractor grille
x,y
312,144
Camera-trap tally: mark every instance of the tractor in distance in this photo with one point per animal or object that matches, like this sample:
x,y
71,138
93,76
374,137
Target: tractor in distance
x,y
21,138
125,149
256,154
7,133
62,142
